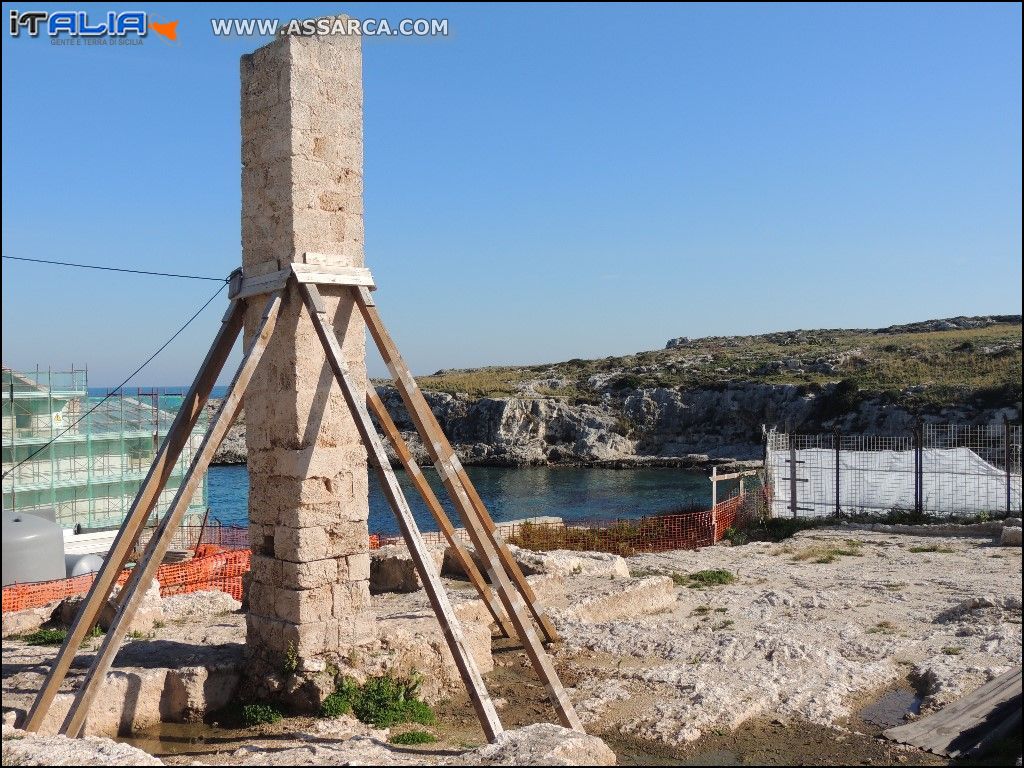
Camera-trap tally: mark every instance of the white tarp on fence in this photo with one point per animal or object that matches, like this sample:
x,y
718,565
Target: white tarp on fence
x,y
955,480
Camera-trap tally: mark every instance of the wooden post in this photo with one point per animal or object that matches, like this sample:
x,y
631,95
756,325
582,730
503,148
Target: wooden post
x,y
714,486
163,465
143,573
457,485
380,412
417,549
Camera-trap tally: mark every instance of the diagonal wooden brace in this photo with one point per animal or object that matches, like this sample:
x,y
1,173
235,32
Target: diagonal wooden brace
x,y
450,625
413,471
144,571
161,469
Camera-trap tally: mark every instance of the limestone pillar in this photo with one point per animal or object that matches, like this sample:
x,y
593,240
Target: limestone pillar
x,y
302,191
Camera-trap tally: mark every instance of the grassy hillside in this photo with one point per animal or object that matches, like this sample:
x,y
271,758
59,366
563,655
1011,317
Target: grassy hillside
x,y
922,367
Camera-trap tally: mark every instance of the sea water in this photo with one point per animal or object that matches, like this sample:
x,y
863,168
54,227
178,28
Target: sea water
x,y
572,493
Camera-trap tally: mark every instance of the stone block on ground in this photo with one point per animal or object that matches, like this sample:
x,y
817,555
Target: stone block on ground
x,y
541,744
563,562
411,642
611,600
149,614
392,568
23,748
1010,537
29,620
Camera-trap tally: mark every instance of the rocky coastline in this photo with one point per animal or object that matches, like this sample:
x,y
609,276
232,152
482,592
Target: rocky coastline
x,y
631,412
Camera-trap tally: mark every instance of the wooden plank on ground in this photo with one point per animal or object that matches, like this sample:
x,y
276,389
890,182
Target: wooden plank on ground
x,y
144,571
967,724
163,465
450,626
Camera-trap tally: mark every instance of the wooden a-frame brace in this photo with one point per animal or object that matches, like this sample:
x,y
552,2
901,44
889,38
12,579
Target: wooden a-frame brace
x,y
515,601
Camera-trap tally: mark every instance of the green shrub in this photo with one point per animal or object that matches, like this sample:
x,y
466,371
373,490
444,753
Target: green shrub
x,y
380,701
735,536
931,548
340,702
710,578
385,701
46,637
259,714
416,736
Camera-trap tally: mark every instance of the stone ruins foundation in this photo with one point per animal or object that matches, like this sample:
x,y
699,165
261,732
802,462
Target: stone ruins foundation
x,y
302,187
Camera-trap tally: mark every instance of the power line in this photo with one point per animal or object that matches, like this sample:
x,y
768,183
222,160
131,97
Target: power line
x,y
117,269
118,388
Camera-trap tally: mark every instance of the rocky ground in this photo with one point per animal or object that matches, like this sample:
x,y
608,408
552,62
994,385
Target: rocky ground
x,y
703,400
787,647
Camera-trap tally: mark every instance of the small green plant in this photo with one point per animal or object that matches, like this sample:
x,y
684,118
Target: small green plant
x,y
340,702
46,637
577,570
829,554
736,537
715,577
159,624
259,714
883,628
679,579
416,736
952,650
385,701
380,701
701,610
137,634
291,660
724,625
930,548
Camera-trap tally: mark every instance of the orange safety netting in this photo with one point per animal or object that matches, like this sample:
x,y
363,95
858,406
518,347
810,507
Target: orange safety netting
x,y
209,570
220,562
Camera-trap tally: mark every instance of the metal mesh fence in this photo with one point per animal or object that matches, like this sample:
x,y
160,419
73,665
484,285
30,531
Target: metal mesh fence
x,y
938,470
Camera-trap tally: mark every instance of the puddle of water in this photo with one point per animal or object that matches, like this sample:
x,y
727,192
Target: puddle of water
x,y
188,739
891,708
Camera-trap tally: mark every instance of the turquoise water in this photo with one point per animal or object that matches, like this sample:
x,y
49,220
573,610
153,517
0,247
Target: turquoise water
x,y
571,493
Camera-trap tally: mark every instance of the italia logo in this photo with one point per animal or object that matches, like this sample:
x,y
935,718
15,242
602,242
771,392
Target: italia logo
x,y
82,24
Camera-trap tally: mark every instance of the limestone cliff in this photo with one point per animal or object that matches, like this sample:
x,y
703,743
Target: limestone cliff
x,y
706,399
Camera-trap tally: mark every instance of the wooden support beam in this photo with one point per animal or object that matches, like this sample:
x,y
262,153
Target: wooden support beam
x,y
442,454
450,625
380,413
452,474
261,284
145,570
326,274
163,465
505,556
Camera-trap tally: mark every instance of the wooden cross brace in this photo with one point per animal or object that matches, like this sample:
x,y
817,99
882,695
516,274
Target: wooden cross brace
x,y
512,607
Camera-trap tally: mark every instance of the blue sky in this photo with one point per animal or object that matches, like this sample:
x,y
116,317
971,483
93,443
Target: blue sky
x,y
548,182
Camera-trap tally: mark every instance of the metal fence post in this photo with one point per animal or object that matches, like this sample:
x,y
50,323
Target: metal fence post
x,y
835,439
792,475
1007,458
918,468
